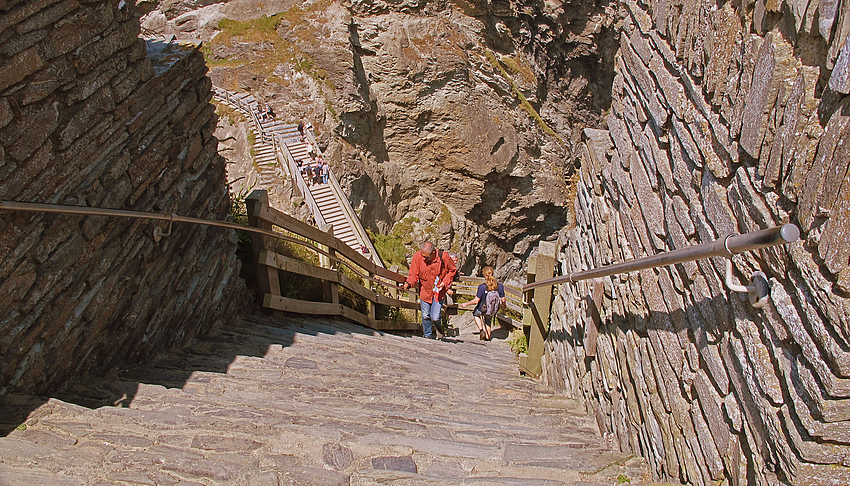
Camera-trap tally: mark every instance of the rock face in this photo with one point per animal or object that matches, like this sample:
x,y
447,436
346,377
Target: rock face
x,y
720,123
453,120
92,116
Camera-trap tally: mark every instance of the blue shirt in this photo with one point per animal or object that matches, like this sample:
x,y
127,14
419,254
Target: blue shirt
x,y
482,291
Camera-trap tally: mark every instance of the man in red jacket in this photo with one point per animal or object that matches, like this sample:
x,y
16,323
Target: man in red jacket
x,y
434,274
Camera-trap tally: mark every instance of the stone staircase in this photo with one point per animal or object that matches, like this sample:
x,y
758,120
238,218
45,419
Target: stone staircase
x,y
295,401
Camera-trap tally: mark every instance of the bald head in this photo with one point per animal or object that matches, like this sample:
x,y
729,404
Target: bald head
x,y
427,250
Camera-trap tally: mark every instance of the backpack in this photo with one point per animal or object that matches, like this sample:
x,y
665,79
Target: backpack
x,y
492,301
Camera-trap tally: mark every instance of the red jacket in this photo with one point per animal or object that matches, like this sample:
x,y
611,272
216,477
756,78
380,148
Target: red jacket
x,y
426,273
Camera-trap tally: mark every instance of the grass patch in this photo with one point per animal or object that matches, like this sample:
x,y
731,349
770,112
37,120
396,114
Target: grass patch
x,y
523,102
518,342
390,248
234,116
252,30
275,50
517,67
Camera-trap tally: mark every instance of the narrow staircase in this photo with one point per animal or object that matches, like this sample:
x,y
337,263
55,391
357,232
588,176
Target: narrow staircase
x,y
271,401
330,202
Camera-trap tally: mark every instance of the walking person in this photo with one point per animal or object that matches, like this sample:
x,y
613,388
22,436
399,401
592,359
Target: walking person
x,y
434,274
326,171
317,173
489,298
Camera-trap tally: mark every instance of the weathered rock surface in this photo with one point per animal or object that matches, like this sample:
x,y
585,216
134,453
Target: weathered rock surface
x,y
742,139
457,117
313,402
90,115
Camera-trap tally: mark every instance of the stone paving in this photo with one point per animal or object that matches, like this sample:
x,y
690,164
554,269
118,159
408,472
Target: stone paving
x,y
279,401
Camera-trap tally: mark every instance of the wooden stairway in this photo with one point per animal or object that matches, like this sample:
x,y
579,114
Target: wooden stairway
x,y
270,135
329,202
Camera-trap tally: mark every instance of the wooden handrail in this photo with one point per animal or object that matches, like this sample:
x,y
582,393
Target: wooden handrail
x,y
336,255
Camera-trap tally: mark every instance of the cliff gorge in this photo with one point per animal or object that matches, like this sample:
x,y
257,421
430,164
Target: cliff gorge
x,y
689,120
445,120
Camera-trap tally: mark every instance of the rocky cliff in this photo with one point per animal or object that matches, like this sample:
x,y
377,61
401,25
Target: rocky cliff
x,y
452,121
726,118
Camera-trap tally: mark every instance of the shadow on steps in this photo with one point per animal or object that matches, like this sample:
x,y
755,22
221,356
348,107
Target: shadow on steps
x,y
251,335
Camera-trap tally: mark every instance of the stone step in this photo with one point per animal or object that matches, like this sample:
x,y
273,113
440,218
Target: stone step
x,y
313,401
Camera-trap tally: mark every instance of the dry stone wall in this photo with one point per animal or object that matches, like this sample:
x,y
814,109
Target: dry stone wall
x,y
90,115
726,118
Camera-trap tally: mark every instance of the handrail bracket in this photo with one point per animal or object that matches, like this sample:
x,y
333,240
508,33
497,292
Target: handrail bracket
x,y
758,290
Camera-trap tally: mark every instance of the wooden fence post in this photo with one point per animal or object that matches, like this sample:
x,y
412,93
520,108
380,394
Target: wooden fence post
x,y
267,278
330,289
536,313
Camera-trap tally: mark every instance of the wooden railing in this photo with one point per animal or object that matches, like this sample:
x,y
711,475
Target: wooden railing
x,y
468,286
339,266
353,220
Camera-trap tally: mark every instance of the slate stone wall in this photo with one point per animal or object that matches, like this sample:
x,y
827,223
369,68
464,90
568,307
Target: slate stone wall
x,y
90,115
726,118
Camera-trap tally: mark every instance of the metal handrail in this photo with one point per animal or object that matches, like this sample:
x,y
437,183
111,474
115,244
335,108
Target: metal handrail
x,y
125,213
726,247
33,207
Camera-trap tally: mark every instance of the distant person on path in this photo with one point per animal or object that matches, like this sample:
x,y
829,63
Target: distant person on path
x,y
489,298
301,129
433,274
326,171
317,173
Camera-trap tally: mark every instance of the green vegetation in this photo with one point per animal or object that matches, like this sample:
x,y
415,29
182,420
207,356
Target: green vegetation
x,y
21,427
523,102
223,110
253,30
390,248
517,67
295,286
275,50
252,139
623,479
396,247
445,217
518,342
244,252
